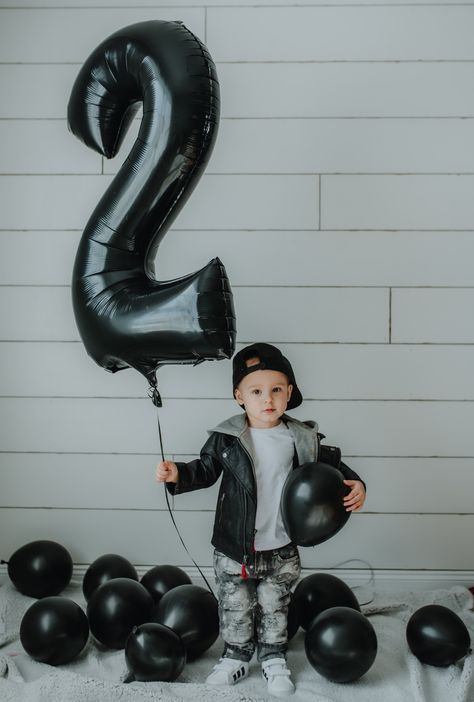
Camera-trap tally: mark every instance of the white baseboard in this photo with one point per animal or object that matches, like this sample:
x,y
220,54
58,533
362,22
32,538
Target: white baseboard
x,y
384,580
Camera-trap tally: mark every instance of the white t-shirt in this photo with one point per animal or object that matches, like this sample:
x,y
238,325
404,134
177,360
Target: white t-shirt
x,y
273,451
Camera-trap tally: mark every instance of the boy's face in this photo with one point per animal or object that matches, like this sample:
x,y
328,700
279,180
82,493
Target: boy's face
x,y
265,394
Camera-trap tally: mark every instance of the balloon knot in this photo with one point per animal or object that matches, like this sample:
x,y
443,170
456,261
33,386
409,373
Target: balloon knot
x,y
155,396
3,562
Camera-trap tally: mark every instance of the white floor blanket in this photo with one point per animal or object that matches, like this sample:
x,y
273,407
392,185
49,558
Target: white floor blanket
x,y
97,674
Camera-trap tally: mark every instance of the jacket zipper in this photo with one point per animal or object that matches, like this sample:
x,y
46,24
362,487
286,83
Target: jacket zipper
x,y
221,502
243,572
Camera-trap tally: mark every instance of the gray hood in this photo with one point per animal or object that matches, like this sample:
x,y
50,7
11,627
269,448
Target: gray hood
x,y
305,434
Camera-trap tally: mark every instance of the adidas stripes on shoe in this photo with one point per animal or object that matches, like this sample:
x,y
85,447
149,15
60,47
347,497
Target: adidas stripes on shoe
x,y
228,671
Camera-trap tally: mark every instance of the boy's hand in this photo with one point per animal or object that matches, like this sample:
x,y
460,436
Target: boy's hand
x,y
354,500
167,472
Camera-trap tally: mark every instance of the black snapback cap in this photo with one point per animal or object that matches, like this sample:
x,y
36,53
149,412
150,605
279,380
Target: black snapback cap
x,y
271,358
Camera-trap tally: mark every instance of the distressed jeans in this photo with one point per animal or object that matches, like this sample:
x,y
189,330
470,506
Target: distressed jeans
x,y
253,611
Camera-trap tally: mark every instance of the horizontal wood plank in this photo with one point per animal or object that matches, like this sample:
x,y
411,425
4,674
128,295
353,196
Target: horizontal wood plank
x,y
48,480
360,428
384,541
249,90
346,89
79,481
370,202
397,202
313,314
43,313
324,372
36,90
44,146
430,315
377,258
341,146
334,258
341,33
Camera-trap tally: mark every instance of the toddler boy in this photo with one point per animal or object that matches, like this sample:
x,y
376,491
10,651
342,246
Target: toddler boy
x,y
255,563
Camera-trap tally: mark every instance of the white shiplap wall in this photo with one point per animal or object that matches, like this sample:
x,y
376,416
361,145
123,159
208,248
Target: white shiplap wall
x,y
340,198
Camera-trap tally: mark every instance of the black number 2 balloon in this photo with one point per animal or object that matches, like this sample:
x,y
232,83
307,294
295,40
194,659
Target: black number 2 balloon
x,y
126,318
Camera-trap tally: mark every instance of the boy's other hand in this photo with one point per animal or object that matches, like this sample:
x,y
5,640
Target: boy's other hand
x,y
167,472
354,500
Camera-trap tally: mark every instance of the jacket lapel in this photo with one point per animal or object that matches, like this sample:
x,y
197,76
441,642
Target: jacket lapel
x,y
305,438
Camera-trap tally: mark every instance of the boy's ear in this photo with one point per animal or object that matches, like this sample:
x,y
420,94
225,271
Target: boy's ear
x,y
290,390
238,396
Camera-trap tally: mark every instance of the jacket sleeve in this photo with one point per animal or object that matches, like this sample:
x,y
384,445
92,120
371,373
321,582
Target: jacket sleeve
x,y
332,456
350,474
200,473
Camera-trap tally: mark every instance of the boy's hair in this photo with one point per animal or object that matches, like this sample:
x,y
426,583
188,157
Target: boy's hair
x,y
270,358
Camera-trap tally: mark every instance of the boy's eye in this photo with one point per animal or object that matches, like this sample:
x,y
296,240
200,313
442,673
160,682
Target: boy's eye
x,y
255,391
276,389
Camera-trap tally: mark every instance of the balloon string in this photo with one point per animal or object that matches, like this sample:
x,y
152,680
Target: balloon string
x,y
370,581
171,513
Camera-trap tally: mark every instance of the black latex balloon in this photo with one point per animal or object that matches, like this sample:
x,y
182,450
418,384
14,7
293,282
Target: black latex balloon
x,y
155,652
125,317
320,591
115,608
192,612
40,568
312,503
341,644
437,636
105,568
54,630
162,578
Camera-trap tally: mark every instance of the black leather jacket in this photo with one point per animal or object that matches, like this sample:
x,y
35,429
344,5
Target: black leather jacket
x,y
227,452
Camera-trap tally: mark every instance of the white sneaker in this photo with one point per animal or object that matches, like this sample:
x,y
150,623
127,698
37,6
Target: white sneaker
x,y
278,678
228,671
